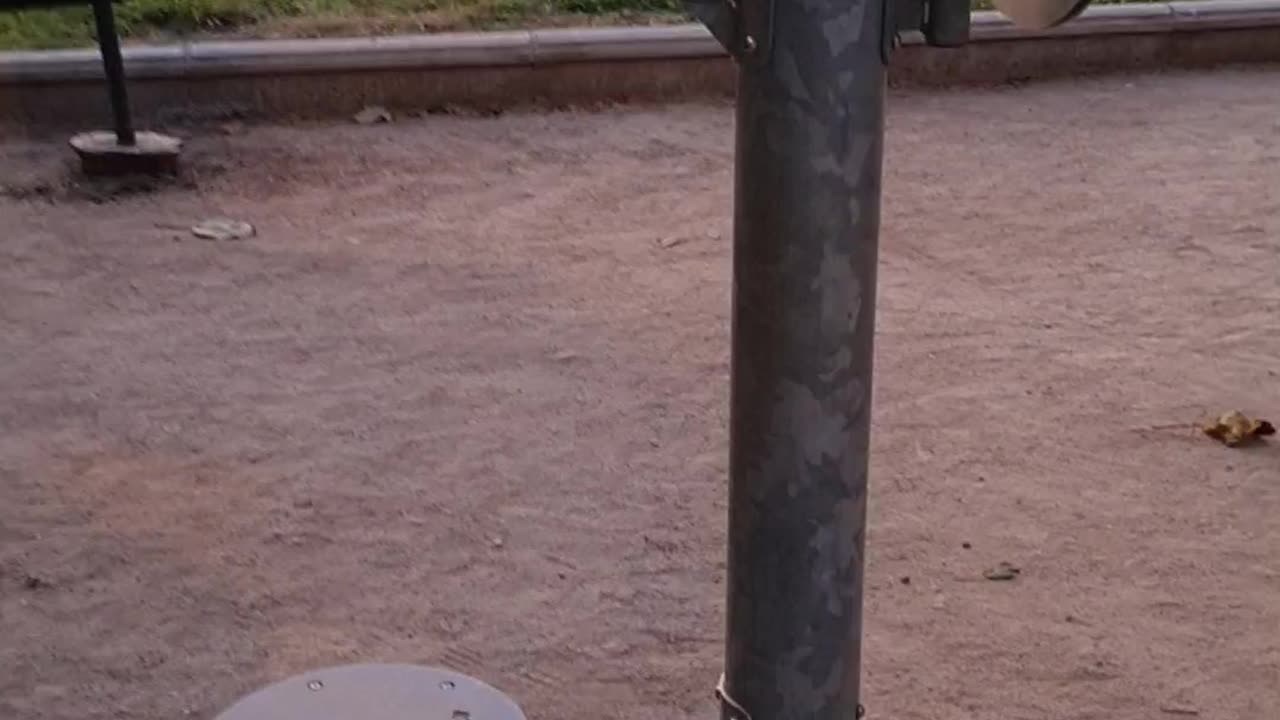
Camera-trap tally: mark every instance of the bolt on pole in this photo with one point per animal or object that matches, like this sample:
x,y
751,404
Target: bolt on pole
x,y
810,133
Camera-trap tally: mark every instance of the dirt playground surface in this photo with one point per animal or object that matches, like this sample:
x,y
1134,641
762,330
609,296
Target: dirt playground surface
x,y
462,401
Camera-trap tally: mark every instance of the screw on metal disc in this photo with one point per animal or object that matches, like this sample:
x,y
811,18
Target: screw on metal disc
x,y
376,692
1040,14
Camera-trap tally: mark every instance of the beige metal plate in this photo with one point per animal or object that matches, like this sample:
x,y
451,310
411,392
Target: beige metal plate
x,y
1040,14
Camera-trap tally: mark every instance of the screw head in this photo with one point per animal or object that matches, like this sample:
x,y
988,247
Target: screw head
x,y
749,44
448,685
314,685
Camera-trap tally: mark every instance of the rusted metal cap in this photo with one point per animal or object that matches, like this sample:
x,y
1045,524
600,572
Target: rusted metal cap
x,y
376,692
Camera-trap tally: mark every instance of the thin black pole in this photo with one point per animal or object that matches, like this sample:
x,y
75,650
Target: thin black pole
x,y
113,64
806,225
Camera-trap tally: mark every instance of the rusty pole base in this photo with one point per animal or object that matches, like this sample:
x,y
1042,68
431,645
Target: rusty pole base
x,y
102,155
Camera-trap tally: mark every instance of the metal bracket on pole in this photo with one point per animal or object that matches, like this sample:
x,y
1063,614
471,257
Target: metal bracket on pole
x,y
755,30
944,23
743,27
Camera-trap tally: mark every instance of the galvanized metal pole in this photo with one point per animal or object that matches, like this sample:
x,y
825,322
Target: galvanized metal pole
x,y
806,223
113,65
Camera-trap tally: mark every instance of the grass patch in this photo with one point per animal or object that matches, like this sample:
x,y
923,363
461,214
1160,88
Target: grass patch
x,y
161,20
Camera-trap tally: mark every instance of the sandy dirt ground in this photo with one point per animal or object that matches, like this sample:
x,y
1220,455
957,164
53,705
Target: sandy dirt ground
x,y
462,399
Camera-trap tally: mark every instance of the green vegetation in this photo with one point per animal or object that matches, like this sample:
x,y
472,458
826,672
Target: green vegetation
x,y
166,19
159,20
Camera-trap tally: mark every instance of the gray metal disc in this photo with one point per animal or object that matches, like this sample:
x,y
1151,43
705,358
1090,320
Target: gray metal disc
x,y
376,692
1040,14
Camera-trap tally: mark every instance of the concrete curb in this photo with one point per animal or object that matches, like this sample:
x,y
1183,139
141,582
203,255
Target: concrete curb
x,y
570,66
552,47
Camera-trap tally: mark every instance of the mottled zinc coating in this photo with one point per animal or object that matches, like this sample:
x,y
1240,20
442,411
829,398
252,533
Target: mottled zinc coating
x,y
806,224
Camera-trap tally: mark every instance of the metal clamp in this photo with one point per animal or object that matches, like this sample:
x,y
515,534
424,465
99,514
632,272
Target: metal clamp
x,y
736,711
743,27
755,30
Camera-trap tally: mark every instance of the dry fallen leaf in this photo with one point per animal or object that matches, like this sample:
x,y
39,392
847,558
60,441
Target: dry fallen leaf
x,y
1003,571
222,229
1235,428
372,115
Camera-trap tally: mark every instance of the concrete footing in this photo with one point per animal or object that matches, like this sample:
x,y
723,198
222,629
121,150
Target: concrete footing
x,y
102,154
